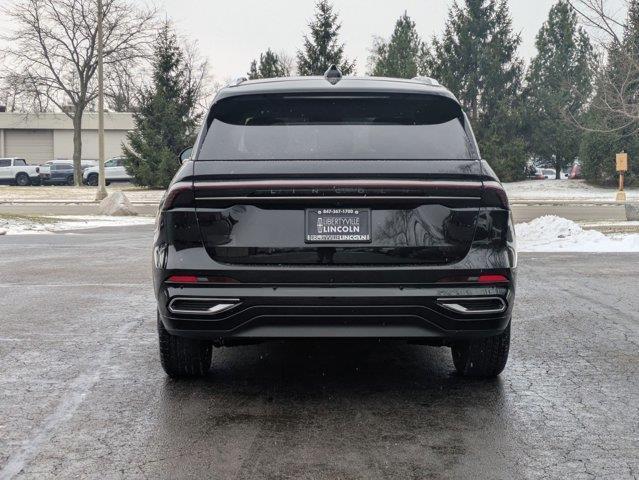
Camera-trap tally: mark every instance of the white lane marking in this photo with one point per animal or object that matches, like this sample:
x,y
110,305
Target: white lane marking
x,y
64,410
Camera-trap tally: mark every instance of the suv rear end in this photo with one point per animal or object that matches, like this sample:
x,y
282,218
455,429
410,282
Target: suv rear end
x,y
57,173
355,209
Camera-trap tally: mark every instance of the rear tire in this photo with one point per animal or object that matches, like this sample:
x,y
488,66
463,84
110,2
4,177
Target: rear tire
x,y
22,179
483,357
183,357
92,180
70,181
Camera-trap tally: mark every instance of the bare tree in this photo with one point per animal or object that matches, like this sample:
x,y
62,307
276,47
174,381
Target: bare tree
x,y
125,83
197,76
614,29
18,94
53,43
121,87
288,62
603,19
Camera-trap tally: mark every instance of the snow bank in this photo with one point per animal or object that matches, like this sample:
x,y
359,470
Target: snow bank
x,y
26,225
555,234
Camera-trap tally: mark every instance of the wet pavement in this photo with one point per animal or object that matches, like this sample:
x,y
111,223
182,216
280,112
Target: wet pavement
x,y
82,394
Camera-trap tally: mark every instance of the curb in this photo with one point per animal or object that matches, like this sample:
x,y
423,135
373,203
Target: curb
x,y
612,228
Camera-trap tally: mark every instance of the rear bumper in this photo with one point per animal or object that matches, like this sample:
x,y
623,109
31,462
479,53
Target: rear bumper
x,y
334,312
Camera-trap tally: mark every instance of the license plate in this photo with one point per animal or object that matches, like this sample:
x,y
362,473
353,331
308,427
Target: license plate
x,y
336,225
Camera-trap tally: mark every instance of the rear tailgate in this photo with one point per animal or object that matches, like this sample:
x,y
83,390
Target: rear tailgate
x,y
277,212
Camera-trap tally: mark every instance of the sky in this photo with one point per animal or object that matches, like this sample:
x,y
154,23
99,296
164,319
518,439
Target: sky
x,y
230,33
233,32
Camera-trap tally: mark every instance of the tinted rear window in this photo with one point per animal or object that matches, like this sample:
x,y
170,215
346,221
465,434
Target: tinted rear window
x,y
61,166
265,127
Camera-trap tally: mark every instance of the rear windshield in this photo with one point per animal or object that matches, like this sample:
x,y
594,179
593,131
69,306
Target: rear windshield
x,y
300,127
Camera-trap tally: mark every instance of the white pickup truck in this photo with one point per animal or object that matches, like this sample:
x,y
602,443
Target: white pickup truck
x,y
16,171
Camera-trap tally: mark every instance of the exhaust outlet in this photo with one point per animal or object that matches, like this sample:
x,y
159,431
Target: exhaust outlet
x,y
473,305
201,306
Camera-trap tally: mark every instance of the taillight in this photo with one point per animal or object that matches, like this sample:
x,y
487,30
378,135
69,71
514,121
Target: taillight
x,y
182,279
492,279
482,279
200,280
495,195
180,194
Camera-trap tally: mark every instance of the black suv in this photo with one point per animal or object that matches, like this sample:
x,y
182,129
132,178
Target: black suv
x,y
329,207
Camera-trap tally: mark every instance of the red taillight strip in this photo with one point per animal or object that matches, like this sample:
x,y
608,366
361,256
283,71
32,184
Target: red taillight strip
x,y
492,279
483,279
182,279
337,183
180,187
196,279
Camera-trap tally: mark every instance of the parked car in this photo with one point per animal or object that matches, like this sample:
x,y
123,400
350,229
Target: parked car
x,y
550,174
575,172
330,207
83,163
57,174
16,171
114,171
45,169
532,172
537,174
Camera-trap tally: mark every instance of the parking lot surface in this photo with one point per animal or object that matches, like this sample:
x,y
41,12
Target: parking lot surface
x,y
82,393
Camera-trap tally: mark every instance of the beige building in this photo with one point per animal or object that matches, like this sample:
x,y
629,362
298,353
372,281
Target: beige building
x,y
49,136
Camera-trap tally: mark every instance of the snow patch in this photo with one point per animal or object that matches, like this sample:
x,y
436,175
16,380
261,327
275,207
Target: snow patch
x,y
44,225
563,191
556,234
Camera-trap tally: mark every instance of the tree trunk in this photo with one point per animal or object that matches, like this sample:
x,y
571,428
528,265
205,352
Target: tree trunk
x,y
77,147
557,168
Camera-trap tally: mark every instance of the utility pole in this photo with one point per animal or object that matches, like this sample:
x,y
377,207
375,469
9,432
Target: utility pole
x,y
101,193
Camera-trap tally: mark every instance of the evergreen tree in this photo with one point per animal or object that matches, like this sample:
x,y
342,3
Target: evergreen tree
x,y
559,84
399,57
163,124
322,49
476,59
607,132
253,72
270,66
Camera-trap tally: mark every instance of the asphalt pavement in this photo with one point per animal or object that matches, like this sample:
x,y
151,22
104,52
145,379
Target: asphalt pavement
x,y
82,394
